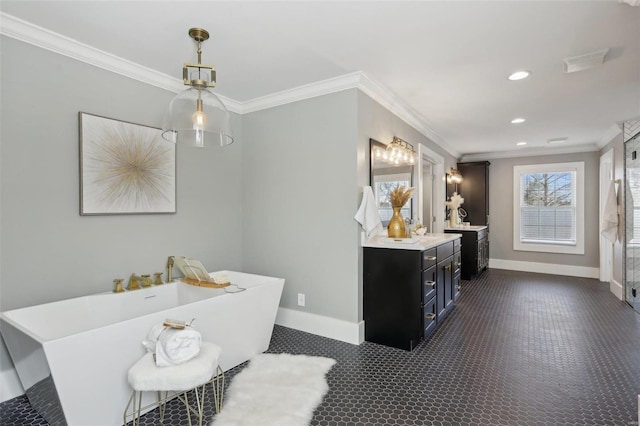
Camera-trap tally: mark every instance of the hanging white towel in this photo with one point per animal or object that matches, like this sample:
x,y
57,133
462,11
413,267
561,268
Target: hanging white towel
x,y
609,224
367,215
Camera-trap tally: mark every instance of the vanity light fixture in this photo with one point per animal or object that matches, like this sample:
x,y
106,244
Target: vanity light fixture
x,y
519,75
197,115
454,176
518,120
521,143
397,152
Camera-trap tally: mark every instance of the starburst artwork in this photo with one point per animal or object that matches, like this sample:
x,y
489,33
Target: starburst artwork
x,y
125,168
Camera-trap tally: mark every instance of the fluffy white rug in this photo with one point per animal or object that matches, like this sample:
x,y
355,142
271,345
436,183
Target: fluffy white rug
x,y
276,390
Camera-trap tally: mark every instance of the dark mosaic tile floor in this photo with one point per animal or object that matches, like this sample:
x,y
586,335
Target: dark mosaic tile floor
x,y
519,349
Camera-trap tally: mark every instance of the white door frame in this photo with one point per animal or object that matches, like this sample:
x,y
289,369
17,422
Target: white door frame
x,y
437,161
606,247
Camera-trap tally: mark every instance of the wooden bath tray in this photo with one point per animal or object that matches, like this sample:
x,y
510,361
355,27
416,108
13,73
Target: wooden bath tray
x,y
209,284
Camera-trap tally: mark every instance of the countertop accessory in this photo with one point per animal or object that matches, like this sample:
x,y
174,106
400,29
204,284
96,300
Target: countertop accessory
x,y
398,198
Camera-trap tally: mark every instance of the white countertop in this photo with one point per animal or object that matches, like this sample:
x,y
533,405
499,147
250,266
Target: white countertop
x,y
467,228
421,242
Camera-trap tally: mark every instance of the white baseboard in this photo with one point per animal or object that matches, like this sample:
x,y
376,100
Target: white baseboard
x,y
10,385
616,289
322,326
545,268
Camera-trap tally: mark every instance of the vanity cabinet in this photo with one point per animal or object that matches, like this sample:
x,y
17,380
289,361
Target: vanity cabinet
x,y
409,293
475,250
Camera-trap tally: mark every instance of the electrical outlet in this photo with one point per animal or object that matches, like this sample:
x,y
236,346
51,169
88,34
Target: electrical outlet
x,y
300,299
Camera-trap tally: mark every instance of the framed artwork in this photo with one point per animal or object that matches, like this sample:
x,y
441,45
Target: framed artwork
x,y
125,168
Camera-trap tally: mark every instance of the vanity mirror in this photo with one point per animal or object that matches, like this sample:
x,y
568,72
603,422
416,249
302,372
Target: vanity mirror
x,y
386,175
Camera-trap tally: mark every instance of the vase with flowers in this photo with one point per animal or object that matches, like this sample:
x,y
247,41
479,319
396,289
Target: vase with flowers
x,y
398,198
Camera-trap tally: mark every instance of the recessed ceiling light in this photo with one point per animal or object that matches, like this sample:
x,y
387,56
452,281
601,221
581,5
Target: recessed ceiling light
x,y
521,143
556,141
518,120
519,75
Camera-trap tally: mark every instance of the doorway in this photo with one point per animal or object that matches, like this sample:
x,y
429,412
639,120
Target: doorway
x,y
431,187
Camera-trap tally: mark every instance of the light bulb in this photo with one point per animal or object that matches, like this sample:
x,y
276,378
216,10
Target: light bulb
x,y
199,120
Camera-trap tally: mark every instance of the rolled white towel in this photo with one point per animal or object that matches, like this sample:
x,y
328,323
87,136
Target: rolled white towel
x,y
172,346
175,347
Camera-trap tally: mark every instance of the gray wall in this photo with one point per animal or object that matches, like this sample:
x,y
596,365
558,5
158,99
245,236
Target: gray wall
x,y
49,252
299,198
377,122
617,145
501,210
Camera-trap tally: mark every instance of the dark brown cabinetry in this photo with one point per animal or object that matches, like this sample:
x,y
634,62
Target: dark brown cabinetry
x,y
408,293
475,250
475,191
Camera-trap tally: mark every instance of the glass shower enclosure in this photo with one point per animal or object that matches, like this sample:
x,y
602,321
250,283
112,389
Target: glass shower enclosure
x,y
632,221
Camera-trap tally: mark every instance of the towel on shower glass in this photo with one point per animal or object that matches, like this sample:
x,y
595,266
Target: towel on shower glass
x,y
367,215
173,346
609,224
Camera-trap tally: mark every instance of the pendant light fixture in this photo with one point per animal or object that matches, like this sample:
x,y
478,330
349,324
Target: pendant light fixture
x,y
197,116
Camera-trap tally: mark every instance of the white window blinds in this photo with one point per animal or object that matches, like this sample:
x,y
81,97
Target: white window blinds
x,y
548,207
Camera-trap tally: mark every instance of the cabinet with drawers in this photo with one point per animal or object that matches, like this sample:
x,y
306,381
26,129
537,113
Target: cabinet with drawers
x,y
409,293
475,250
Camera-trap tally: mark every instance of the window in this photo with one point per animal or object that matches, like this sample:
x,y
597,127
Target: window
x,y
383,185
548,208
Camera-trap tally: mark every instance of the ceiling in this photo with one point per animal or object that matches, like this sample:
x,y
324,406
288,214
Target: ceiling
x,y
446,61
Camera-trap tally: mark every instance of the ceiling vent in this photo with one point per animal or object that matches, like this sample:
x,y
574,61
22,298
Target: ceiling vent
x,y
584,62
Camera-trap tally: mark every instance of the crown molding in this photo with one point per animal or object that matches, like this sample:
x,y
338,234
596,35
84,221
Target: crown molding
x,y
27,32
393,103
530,152
613,131
300,93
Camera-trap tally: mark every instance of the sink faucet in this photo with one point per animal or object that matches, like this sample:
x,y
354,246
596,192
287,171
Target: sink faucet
x,y
134,282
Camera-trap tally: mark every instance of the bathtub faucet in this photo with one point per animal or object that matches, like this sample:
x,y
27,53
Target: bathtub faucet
x,y
170,261
134,282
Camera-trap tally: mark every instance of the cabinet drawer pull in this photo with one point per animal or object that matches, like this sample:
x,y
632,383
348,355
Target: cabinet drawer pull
x,y
458,287
430,317
430,258
458,264
447,267
430,283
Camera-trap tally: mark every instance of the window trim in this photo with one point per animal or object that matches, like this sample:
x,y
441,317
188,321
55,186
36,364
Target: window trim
x,y
518,171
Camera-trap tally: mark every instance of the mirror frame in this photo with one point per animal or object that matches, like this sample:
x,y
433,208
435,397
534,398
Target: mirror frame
x,y
377,144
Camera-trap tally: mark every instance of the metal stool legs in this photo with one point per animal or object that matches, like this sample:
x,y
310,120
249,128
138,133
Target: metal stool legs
x,y
217,385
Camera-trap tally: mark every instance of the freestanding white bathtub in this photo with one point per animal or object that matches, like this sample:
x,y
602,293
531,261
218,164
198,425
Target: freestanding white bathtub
x,y
72,356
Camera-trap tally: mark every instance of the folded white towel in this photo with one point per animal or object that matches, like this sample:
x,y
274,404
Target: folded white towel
x,y
172,346
367,215
610,215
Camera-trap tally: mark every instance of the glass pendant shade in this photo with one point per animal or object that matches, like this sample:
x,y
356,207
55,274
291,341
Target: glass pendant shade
x,y
197,116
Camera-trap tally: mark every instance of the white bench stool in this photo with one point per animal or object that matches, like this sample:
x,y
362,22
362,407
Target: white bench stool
x,y
195,374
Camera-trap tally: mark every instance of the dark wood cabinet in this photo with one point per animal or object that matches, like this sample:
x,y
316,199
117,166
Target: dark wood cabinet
x,y
408,293
475,250
475,191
